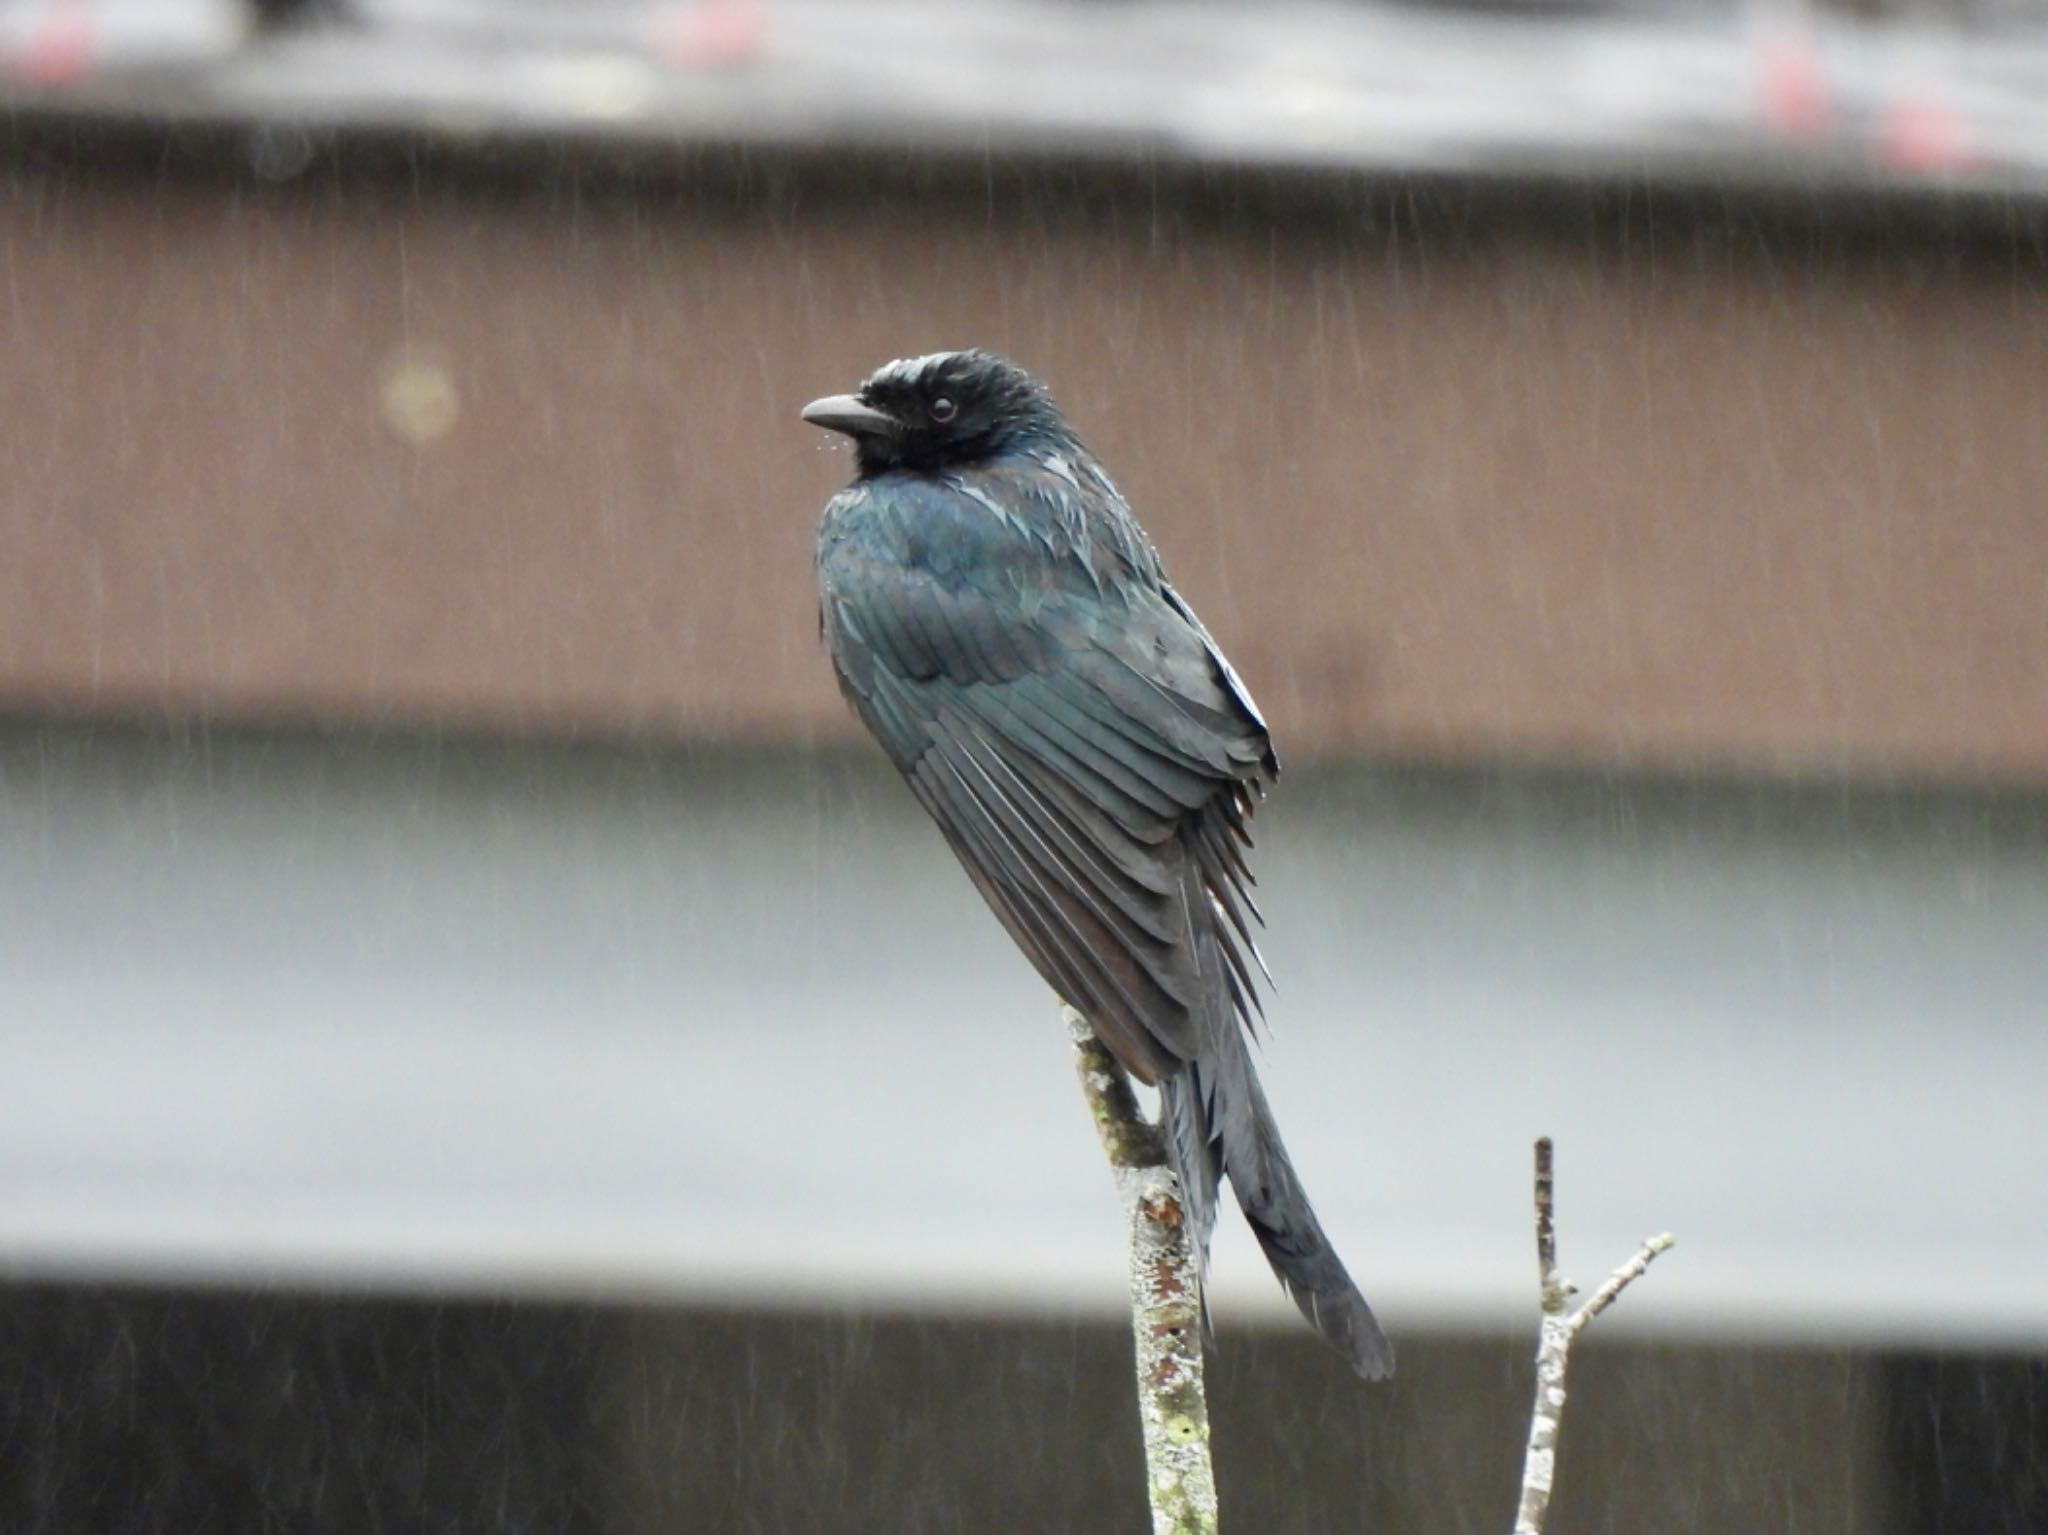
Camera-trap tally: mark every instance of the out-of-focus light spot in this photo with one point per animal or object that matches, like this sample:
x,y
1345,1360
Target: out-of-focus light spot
x,y
1926,136
1796,100
417,399
60,49
710,34
280,151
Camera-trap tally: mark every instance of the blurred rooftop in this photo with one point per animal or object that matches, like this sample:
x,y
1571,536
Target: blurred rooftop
x,y
1756,94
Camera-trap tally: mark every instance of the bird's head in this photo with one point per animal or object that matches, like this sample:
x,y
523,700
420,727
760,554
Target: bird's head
x,y
940,412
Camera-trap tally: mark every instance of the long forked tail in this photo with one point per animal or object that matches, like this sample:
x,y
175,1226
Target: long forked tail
x,y
1218,1125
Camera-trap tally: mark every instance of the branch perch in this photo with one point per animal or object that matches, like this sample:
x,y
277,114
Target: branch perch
x,y
1553,1349
1166,1295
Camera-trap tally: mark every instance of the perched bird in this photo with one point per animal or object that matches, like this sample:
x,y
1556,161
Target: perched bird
x,y
1002,625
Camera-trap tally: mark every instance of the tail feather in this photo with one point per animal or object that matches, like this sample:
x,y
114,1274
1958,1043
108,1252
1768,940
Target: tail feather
x,y
1218,1125
1278,1210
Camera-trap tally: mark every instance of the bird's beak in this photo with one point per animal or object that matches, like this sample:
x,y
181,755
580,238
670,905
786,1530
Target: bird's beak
x,y
845,413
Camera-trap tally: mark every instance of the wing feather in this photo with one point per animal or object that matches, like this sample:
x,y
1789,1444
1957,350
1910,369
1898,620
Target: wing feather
x,y
1087,757
1055,908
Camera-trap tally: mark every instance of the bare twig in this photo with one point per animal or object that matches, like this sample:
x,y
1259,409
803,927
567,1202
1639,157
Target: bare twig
x,y
1166,1296
1553,1349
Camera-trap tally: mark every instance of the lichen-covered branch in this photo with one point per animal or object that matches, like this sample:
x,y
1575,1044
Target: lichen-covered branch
x,y
1554,1343
1166,1296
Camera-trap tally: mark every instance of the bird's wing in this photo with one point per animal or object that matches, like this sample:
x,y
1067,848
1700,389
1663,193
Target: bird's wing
x,y
1086,754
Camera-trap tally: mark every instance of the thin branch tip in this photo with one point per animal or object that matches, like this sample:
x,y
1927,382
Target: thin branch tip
x,y
1561,1325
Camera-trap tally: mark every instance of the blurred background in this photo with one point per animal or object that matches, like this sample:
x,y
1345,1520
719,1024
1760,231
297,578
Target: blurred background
x,y
484,1046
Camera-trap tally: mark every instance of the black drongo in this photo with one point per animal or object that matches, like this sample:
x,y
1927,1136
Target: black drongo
x,y
1002,624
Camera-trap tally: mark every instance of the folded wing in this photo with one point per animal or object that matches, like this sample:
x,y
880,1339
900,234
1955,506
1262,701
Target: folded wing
x,y
1088,756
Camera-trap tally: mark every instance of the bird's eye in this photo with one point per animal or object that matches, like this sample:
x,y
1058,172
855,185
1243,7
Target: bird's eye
x,y
943,409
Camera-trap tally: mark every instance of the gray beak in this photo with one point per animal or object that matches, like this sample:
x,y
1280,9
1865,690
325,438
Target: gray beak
x,y
845,413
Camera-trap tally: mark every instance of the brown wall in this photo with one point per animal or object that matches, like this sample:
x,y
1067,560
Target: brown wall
x,y
1449,477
